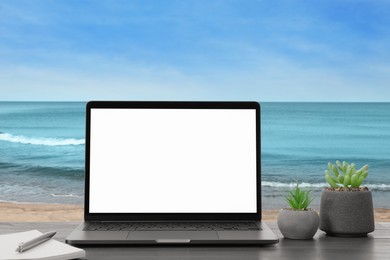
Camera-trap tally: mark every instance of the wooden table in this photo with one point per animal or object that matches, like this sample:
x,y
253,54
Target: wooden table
x,y
375,246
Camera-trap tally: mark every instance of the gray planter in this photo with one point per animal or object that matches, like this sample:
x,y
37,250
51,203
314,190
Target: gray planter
x,y
347,213
298,224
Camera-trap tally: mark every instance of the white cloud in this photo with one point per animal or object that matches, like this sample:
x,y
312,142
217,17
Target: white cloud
x,y
267,78
263,56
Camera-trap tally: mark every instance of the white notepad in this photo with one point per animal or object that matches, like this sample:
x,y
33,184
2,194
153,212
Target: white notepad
x,y
51,249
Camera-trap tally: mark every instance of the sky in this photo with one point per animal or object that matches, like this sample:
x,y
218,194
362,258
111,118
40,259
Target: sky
x,y
76,50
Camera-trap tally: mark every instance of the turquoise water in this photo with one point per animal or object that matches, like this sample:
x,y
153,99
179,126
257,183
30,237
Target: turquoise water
x,y
42,148
42,152
298,139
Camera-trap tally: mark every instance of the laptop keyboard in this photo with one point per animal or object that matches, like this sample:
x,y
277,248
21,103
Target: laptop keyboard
x,y
171,226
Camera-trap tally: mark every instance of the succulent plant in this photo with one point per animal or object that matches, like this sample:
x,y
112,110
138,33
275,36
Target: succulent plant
x,y
345,175
299,199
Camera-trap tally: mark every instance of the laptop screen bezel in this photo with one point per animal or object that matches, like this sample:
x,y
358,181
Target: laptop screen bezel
x,y
88,216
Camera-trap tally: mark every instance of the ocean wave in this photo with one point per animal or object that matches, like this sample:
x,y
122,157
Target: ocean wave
x,y
316,185
292,184
66,172
40,141
22,202
66,195
35,202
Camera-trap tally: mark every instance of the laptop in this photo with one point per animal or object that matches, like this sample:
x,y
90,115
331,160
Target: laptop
x,y
159,173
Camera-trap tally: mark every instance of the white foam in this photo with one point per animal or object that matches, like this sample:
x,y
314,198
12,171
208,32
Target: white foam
x,y
316,185
378,186
293,184
26,202
40,141
66,195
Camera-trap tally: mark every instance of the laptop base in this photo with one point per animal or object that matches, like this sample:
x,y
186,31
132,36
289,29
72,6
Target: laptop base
x,y
229,237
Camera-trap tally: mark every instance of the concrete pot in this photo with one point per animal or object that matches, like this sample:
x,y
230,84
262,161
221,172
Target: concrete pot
x,y
298,224
347,213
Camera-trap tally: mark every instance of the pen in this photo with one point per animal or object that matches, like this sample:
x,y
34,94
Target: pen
x,y
35,241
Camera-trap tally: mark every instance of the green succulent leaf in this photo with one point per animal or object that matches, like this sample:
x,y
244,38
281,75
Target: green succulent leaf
x,y
346,180
345,174
340,166
330,180
335,171
340,179
360,181
345,166
298,199
354,180
349,171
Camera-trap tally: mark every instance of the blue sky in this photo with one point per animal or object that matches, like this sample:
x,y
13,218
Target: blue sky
x,y
195,50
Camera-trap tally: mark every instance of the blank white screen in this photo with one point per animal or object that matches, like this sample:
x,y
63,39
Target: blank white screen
x,y
173,161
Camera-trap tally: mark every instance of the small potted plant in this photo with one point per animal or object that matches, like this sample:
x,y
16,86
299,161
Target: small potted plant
x,y
298,221
346,208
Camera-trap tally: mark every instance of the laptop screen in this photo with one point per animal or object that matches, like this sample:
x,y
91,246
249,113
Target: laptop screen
x,y
156,160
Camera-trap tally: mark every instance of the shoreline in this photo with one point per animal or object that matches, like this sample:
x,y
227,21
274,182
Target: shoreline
x,y
40,212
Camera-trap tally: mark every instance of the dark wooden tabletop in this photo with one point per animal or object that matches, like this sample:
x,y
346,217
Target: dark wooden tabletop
x,y
375,246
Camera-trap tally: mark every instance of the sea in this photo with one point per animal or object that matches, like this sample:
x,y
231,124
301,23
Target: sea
x,y
42,149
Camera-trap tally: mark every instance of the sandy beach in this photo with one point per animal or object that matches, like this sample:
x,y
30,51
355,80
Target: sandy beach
x,y
20,212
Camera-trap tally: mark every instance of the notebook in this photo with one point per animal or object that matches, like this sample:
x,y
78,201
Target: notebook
x,y
51,249
172,173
